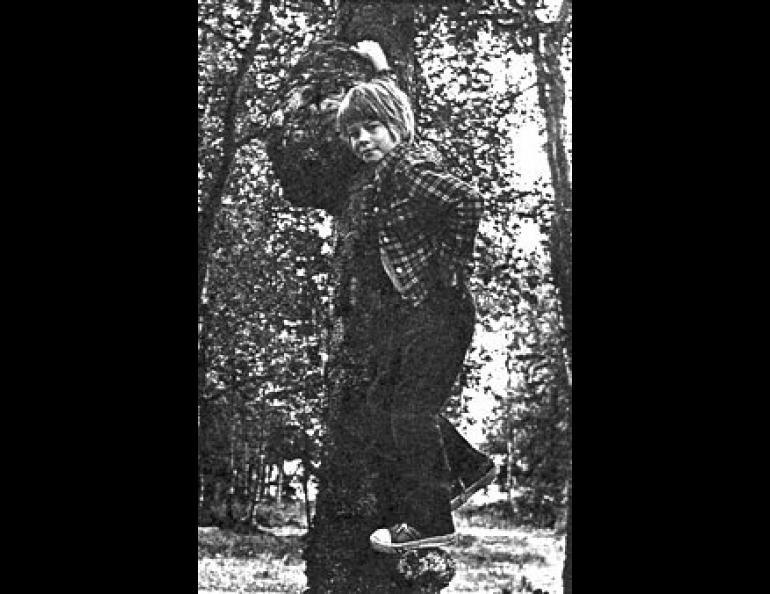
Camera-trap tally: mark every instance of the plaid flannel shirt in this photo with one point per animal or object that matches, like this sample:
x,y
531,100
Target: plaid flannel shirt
x,y
427,221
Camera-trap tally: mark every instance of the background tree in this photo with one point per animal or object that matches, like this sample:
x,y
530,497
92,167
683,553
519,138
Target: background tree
x,y
530,425
260,323
547,42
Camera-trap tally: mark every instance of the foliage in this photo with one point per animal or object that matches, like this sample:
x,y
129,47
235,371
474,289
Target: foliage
x,y
265,301
267,304
530,422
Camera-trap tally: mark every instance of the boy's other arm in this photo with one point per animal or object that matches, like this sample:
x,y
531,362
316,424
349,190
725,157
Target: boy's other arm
x,y
442,196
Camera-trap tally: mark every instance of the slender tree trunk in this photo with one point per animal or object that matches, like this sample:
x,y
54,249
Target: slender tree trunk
x,y
250,495
262,480
208,211
279,493
204,419
213,197
566,574
231,471
204,466
305,487
244,468
546,50
264,485
509,461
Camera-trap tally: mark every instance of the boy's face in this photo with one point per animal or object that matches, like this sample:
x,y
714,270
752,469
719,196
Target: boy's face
x,y
371,140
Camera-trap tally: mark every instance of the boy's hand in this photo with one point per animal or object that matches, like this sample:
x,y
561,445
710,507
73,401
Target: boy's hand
x,y
372,51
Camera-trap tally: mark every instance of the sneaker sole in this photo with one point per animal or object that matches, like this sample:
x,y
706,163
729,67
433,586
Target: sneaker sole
x,y
484,481
380,541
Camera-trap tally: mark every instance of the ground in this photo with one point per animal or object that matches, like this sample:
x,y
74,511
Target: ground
x,y
492,557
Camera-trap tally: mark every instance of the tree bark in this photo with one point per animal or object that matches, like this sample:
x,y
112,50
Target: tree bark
x,y
551,97
204,417
566,575
279,492
509,467
305,488
261,485
251,493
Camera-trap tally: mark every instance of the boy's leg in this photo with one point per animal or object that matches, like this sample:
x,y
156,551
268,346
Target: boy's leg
x,y
434,339
470,469
384,368
466,464
464,460
367,408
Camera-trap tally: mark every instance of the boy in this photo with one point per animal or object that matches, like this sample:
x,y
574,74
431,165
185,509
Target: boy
x,y
420,234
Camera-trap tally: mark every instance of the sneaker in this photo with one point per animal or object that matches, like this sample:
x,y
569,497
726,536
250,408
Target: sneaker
x,y
461,494
402,537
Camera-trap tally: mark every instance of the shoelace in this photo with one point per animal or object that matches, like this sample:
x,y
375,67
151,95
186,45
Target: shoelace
x,y
405,530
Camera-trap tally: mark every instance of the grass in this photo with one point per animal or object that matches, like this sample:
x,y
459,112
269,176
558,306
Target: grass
x,y
487,514
216,544
492,554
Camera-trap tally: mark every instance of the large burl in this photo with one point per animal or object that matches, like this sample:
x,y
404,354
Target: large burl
x,y
310,160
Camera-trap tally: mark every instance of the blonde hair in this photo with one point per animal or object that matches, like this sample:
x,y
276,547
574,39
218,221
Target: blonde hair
x,y
377,100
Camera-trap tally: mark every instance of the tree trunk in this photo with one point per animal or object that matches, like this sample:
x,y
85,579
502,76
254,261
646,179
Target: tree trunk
x,y
305,487
566,574
352,498
231,470
279,493
267,471
509,476
551,97
262,480
251,493
213,196
208,210
205,493
204,418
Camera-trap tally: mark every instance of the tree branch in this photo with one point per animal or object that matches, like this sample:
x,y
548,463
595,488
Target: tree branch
x,y
212,202
562,24
256,133
512,196
218,34
496,18
516,94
